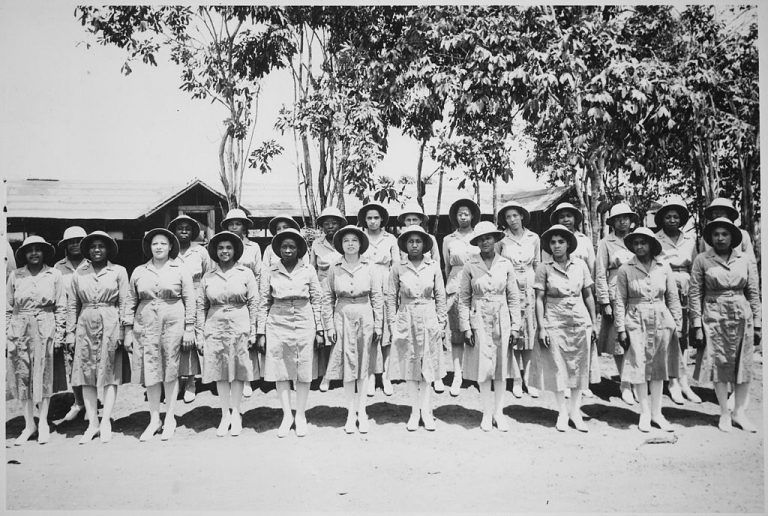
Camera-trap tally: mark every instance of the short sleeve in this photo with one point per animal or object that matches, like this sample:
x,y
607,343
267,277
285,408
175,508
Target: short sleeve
x,y
588,282
540,280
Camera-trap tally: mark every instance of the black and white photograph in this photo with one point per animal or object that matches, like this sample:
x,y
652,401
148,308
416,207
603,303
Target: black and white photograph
x,y
383,257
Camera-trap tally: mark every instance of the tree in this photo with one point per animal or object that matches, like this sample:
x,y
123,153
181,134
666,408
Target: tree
x,y
223,52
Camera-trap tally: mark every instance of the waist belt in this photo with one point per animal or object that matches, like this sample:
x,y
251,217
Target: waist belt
x,y
228,305
727,292
561,296
290,301
644,300
161,300
416,301
33,311
490,298
353,299
681,269
99,305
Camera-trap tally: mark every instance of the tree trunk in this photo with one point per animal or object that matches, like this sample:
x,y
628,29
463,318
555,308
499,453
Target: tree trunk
x,y
419,166
223,171
322,172
495,197
309,188
439,199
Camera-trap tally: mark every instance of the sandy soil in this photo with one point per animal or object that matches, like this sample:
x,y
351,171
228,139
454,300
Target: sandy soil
x,y
456,468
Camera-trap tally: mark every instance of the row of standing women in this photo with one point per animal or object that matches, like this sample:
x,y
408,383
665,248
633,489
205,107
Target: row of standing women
x,y
362,301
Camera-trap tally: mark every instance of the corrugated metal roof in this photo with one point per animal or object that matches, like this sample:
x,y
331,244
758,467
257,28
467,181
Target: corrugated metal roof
x,y
92,199
273,195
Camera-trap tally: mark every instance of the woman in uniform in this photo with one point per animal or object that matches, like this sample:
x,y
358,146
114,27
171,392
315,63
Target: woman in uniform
x,y
722,207
521,247
565,315
356,298
35,314
725,314
159,318
464,214
226,328
612,253
382,253
413,215
238,223
291,326
322,255
99,292
490,317
648,320
70,244
416,314
194,258
275,226
678,249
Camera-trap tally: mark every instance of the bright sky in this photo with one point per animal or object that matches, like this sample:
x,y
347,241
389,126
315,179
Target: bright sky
x,y
66,111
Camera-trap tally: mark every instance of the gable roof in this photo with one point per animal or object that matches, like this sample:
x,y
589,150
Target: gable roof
x,y
89,199
278,194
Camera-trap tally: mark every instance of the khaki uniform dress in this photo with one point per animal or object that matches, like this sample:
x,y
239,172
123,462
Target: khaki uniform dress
x,y
566,363
648,309
67,269
356,297
94,310
323,255
35,317
383,253
489,306
524,253
227,307
725,303
161,305
680,255
290,313
456,251
611,254
197,262
416,312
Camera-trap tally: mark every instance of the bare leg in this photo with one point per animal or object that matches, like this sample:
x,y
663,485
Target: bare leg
x,y
153,396
29,423
171,393
189,388
349,397
499,388
625,387
90,401
43,430
302,393
235,399
223,388
741,394
413,395
721,391
575,411
562,411
284,393
487,398
656,415
645,407
456,383
684,385
105,429
385,383
360,404
526,358
426,405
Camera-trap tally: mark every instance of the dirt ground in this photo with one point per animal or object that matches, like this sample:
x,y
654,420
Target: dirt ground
x,y
456,468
